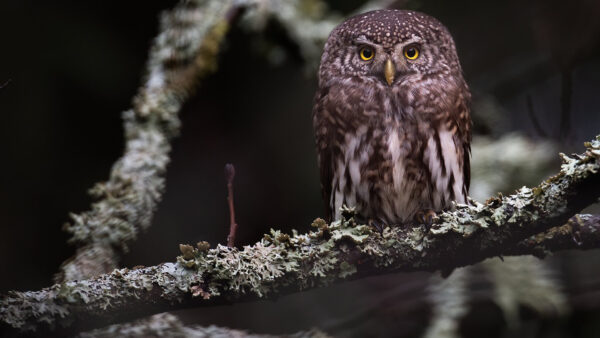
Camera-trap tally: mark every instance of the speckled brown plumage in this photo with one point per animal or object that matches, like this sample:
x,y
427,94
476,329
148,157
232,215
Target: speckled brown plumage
x,y
392,149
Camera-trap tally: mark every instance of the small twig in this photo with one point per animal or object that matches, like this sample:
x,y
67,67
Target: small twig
x,y
533,118
229,176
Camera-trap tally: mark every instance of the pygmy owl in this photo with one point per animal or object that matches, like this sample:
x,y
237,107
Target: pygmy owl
x,y
391,118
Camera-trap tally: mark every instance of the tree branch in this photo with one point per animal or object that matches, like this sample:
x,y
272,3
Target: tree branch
x,y
343,250
580,232
166,325
184,51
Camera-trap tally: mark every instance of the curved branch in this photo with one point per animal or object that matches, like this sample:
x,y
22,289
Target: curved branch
x,y
343,250
184,50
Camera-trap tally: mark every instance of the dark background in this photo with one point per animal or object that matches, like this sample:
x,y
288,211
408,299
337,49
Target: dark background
x,y
74,67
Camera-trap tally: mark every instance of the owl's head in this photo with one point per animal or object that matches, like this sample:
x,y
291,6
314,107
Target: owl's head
x,y
387,47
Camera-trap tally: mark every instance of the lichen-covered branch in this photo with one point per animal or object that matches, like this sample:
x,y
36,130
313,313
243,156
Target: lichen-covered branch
x,y
184,51
167,325
508,162
343,250
581,231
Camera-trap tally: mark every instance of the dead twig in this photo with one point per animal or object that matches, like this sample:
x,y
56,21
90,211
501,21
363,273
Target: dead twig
x,y
229,176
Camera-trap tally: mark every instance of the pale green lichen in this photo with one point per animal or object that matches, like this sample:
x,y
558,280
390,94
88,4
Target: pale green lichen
x,y
460,221
346,269
168,325
356,234
302,259
27,310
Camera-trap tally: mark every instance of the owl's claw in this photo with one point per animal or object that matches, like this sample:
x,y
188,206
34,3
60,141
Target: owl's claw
x,y
425,217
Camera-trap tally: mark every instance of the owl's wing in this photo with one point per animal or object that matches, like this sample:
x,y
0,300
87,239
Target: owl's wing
x,y
324,151
326,170
467,163
462,121
448,149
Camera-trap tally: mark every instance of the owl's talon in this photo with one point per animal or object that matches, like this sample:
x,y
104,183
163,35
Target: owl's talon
x,y
425,217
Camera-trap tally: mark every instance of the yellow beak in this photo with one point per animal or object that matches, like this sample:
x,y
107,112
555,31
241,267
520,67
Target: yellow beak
x,y
389,71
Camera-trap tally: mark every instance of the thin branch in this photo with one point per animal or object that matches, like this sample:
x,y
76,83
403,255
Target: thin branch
x,y
343,250
229,176
579,232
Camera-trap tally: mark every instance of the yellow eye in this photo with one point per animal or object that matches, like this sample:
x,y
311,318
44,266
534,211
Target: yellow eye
x,y
411,53
366,53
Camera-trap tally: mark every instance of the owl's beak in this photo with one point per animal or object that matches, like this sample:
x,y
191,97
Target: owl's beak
x,y
389,70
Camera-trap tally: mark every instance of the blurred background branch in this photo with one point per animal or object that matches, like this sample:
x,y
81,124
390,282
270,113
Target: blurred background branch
x,y
168,325
185,49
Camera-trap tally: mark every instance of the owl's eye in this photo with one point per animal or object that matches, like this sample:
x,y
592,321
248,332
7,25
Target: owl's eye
x,y
411,53
366,53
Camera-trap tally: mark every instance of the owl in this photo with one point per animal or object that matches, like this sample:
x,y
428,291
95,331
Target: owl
x,y
392,118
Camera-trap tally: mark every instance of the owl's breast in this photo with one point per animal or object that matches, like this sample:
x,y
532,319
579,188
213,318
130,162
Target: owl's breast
x,y
389,157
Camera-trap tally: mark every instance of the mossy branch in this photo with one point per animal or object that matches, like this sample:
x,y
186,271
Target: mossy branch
x,y
166,325
581,232
343,250
183,52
